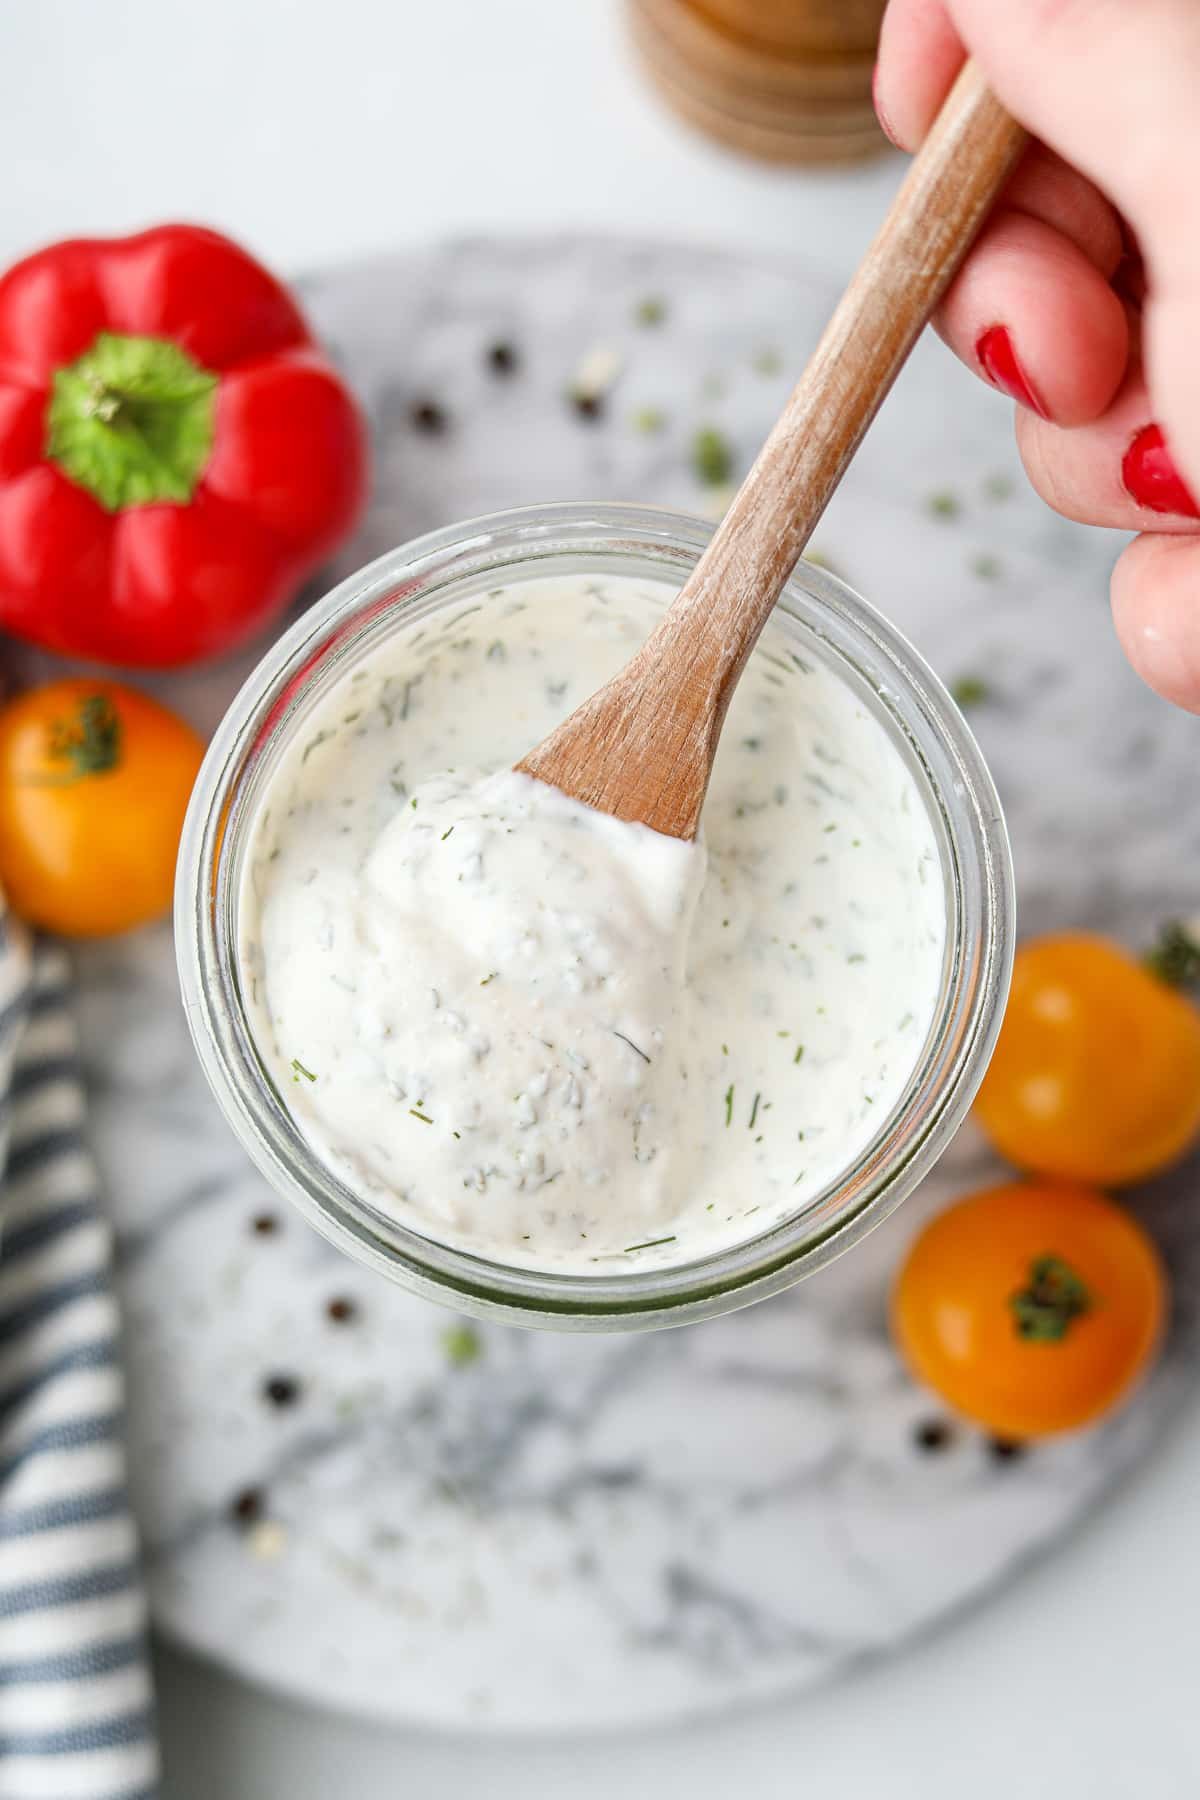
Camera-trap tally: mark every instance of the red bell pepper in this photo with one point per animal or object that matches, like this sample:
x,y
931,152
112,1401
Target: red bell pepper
x,y
176,455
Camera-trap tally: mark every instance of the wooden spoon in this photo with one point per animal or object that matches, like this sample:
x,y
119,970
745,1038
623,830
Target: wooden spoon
x,y
642,748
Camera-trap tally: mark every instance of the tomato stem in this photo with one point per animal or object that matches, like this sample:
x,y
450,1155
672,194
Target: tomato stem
x,y
1175,958
90,742
1055,1296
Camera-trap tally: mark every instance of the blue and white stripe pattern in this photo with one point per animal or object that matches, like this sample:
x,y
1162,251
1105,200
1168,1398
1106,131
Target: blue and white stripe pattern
x,y
76,1707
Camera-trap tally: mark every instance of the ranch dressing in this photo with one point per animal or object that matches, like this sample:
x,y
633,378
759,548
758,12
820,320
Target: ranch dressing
x,y
560,1040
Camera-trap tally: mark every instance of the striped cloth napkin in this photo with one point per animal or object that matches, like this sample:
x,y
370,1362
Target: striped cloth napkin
x,y
76,1706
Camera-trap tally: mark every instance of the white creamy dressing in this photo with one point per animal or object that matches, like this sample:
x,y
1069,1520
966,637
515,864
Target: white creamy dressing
x,y
555,1039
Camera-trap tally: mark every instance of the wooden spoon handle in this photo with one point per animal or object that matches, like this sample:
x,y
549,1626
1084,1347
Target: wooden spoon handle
x,y
642,747
955,176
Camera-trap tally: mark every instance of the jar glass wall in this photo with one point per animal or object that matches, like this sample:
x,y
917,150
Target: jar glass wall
x,y
819,616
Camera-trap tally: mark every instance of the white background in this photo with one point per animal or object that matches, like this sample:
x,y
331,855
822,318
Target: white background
x,y
314,131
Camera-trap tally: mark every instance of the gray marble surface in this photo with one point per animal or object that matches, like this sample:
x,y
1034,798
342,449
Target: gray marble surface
x,y
571,1532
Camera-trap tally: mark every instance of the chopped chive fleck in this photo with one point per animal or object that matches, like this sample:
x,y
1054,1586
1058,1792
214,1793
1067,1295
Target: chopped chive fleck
x,y
650,1244
648,421
712,458
300,1069
447,832
462,1345
322,737
799,1056
488,978
987,568
998,487
944,504
754,1112
729,1105
969,690
413,803
424,1117
651,310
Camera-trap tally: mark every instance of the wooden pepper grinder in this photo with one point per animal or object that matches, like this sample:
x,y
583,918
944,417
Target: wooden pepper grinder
x,y
782,80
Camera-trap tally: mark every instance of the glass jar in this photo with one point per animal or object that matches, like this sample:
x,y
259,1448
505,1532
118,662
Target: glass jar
x,y
821,618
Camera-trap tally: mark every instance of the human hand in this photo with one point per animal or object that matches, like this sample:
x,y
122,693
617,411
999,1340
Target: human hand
x,y
1081,299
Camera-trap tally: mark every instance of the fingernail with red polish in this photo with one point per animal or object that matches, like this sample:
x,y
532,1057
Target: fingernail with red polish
x,y
998,360
884,126
1151,478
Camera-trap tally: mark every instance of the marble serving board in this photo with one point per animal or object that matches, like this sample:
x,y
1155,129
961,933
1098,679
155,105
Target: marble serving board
x,y
486,1529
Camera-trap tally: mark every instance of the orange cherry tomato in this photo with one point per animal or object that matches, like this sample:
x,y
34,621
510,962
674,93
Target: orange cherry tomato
x,y
1096,1075
94,783
1031,1308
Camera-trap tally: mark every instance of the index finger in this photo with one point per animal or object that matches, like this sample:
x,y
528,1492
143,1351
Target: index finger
x,y
920,53
1112,87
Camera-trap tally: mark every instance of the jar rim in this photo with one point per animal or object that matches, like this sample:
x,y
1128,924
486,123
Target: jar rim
x,y
905,696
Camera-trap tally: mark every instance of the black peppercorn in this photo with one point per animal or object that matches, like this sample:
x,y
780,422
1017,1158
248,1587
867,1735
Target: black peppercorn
x,y
502,359
341,1310
428,417
933,1434
246,1508
281,1390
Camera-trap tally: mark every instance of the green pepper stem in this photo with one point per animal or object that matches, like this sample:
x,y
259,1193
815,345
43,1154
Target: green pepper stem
x,y
131,421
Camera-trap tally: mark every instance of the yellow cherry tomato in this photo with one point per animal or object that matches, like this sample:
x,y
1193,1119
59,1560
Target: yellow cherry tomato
x,y
1031,1308
1096,1075
94,783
